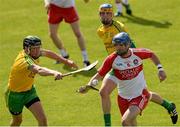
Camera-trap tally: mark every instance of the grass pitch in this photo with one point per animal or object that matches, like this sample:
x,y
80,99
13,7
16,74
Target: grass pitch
x,y
155,25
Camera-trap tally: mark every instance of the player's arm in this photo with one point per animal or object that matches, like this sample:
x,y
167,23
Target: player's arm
x,y
44,71
46,4
145,54
103,70
124,28
52,55
161,73
121,27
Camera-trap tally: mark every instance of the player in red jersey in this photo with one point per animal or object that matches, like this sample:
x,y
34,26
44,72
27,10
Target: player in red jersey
x,y
126,65
59,10
119,4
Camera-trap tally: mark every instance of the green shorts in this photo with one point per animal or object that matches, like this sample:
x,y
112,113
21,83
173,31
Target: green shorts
x,y
15,101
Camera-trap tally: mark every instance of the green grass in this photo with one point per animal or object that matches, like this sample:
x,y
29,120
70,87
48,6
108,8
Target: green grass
x,y
155,25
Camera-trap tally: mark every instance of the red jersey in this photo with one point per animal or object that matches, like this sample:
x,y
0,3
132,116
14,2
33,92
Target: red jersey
x,y
128,71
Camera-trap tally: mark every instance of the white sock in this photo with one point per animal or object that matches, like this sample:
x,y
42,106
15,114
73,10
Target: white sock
x,y
84,55
63,52
125,2
119,7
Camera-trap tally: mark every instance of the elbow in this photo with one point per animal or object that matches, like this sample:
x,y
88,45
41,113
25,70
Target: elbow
x,y
154,56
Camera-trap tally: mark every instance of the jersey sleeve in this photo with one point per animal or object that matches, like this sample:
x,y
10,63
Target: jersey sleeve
x,y
119,26
29,62
107,65
143,53
122,26
22,63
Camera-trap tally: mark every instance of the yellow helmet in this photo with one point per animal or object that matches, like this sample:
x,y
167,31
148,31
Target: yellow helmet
x,y
106,8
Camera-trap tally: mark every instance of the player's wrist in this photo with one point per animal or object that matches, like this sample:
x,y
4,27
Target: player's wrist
x,y
160,67
68,62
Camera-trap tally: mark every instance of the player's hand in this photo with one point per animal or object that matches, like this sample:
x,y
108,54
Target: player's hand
x,y
72,64
83,89
162,75
57,75
47,6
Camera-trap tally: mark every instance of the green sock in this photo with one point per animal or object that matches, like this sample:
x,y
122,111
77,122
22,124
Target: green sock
x,y
167,105
107,119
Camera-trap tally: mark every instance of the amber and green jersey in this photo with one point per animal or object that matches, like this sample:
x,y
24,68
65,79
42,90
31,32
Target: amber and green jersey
x,y
21,78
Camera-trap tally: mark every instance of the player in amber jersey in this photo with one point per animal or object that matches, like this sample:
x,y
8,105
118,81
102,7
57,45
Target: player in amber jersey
x,y
127,75
109,27
21,90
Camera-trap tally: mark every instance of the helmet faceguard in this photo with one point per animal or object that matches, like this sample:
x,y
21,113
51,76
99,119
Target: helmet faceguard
x,y
31,45
122,39
31,41
106,8
106,13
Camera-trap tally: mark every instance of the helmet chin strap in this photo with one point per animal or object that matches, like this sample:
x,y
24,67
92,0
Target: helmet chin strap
x,y
28,51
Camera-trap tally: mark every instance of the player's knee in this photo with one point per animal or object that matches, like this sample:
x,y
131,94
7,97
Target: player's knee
x,y
16,121
126,122
104,93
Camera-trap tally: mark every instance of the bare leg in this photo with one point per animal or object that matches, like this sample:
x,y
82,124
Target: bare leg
x,y
119,8
81,42
107,87
38,113
170,107
129,117
53,33
76,29
17,120
118,1
156,98
125,2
